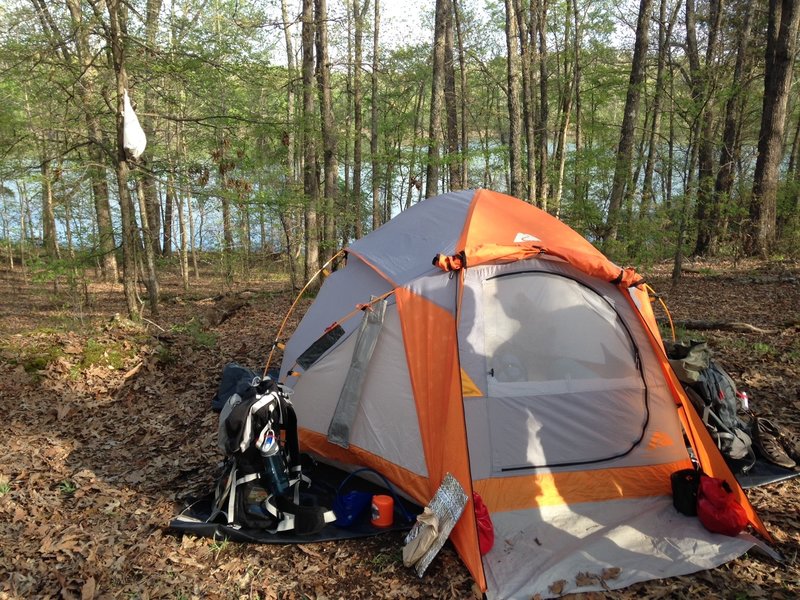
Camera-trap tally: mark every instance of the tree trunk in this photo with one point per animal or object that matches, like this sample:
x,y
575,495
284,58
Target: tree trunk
x,y
526,47
462,67
622,170
581,188
97,159
437,93
359,12
564,115
151,278
186,186
129,234
373,126
542,180
144,164
784,16
310,175
291,175
227,220
289,134
184,254
48,215
664,38
683,218
513,99
66,201
25,218
329,141
703,89
346,225
734,113
793,155
7,232
450,103
169,204
414,180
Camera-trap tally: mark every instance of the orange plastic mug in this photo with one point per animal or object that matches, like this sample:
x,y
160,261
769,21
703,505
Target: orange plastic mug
x,y
382,511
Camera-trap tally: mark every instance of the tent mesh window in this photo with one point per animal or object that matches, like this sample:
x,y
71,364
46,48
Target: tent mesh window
x,y
556,350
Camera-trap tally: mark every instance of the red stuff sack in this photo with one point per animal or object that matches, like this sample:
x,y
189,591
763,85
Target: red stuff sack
x,y
485,526
717,508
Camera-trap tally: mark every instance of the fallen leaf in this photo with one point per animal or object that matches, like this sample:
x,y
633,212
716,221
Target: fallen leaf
x,y
306,550
557,586
63,411
584,579
130,373
611,573
89,589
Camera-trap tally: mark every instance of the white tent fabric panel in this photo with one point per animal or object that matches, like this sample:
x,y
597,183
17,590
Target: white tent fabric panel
x,y
409,241
643,538
317,391
356,284
565,429
473,319
546,327
489,438
386,419
386,422
437,288
511,389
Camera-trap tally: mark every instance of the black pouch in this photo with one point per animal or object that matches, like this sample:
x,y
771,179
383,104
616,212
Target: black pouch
x,y
684,491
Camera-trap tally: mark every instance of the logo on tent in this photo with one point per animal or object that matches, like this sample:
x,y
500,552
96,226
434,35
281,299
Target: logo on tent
x,y
525,237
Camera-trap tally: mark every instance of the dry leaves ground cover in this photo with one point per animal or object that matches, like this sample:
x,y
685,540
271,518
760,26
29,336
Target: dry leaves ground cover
x,y
106,427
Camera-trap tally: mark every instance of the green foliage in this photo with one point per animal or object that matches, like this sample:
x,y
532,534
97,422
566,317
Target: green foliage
x,y
217,547
5,488
788,217
219,74
194,330
109,354
33,357
385,560
67,487
764,350
165,356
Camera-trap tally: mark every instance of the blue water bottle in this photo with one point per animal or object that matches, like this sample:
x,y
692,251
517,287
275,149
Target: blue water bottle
x,y
269,446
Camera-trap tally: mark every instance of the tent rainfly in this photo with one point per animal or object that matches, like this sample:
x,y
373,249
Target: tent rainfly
x,y
529,366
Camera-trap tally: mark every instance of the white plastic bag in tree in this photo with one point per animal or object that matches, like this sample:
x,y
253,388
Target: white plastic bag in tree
x,y
133,138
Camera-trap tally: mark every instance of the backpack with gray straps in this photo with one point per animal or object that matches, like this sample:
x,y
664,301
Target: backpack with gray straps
x,y
713,394
262,482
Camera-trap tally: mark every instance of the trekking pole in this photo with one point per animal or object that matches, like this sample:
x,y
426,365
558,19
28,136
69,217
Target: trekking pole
x,y
276,343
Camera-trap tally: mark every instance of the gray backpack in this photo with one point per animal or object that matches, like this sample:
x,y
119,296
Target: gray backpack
x,y
713,394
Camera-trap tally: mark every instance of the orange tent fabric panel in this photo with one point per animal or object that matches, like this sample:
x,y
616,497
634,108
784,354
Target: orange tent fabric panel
x,y
429,333
551,489
501,227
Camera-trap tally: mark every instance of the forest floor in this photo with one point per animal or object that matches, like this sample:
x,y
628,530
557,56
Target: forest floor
x,y
106,428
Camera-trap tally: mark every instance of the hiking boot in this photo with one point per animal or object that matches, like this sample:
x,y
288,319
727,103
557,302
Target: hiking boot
x,y
767,438
791,443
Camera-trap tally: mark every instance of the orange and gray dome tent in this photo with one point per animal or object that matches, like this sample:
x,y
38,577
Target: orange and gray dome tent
x,y
497,344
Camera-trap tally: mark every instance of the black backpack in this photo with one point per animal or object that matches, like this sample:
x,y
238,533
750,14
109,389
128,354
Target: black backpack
x,y
713,394
262,482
